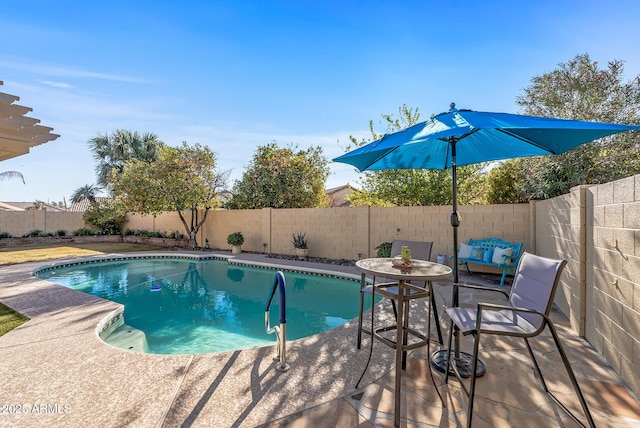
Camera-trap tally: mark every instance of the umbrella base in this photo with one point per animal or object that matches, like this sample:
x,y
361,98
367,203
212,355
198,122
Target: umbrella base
x,y
464,363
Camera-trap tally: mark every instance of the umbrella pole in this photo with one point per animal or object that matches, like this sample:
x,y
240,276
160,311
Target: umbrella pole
x,y
463,361
455,222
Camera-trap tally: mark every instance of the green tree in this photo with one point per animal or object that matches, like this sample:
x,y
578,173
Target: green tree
x,y
414,187
503,184
581,89
282,177
106,215
181,178
111,151
88,191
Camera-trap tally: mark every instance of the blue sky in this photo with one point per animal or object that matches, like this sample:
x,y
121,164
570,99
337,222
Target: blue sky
x,y
236,75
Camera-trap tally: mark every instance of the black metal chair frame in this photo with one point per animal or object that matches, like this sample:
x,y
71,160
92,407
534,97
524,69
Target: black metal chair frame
x,y
477,332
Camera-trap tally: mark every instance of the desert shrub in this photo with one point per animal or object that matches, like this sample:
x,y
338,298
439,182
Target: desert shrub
x,y
384,250
175,235
145,233
36,234
83,232
5,235
150,234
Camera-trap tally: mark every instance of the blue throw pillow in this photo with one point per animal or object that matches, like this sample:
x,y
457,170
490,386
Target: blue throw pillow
x,y
488,254
477,253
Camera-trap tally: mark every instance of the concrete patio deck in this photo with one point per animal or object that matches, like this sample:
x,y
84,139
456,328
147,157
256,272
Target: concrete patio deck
x,y
58,373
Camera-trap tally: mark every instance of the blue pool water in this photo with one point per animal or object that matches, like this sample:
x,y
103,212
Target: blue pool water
x,y
188,306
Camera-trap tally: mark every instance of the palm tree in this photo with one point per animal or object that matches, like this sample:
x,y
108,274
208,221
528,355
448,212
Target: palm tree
x,y
11,174
111,151
88,191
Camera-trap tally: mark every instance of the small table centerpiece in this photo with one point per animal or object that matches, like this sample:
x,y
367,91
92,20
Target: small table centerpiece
x,y
404,260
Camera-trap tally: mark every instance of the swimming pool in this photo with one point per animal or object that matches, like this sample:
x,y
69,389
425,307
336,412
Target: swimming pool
x,y
185,306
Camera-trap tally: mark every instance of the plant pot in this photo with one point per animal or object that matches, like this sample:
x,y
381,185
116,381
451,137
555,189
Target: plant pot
x,y
236,249
302,253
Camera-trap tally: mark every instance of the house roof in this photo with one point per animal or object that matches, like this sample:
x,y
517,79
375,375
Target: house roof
x,y
83,205
8,207
337,195
339,188
18,133
23,206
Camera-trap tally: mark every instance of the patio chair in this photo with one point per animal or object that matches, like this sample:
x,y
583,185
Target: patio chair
x,y
420,250
525,315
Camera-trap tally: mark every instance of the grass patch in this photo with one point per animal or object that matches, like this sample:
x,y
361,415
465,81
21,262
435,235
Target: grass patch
x,y
10,319
36,253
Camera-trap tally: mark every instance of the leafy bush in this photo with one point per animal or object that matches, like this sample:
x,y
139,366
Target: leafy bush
x,y
83,232
383,250
175,235
152,234
61,233
106,216
146,233
36,234
5,235
235,239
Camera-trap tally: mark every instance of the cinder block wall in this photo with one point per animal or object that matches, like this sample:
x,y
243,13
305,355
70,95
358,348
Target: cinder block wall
x,y
560,234
352,233
19,223
613,275
347,233
222,223
597,229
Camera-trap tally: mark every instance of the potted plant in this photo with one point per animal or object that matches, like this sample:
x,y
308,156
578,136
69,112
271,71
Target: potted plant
x,y
235,240
301,244
404,259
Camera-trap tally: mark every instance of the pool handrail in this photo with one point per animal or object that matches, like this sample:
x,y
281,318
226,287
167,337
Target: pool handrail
x,y
279,283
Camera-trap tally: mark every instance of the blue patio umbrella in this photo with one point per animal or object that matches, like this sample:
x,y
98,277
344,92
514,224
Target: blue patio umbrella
x,y
464,137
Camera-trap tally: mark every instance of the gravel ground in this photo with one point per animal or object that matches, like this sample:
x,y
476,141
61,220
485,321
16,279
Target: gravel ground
x,y
341,262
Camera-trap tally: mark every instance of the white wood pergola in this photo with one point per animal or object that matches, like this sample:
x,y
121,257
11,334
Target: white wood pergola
x,y
18,133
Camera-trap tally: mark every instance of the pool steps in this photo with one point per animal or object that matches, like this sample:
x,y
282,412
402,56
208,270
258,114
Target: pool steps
x,y
128,338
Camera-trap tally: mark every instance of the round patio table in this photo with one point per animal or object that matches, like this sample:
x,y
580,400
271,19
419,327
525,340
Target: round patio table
x,y
420,271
